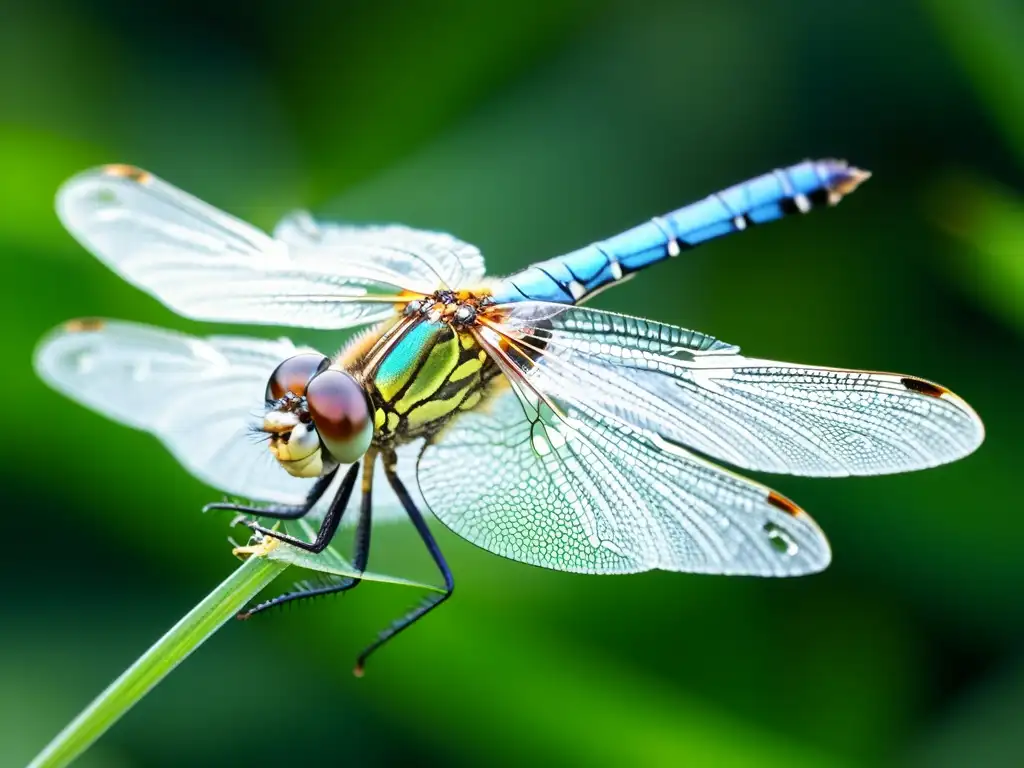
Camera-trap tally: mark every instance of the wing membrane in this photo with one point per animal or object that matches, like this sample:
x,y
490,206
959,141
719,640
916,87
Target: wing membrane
x,y
573,489
198,396
423,260
208,265
755,414
586,453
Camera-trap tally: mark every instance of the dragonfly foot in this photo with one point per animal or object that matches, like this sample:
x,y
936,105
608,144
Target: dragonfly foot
x,y
226,503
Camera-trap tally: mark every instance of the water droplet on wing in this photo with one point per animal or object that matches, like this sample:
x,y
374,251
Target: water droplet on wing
x,y
780,540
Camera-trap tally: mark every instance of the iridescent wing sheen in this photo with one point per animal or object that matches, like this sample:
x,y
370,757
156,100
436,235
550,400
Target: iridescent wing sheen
x,y
586,455
208,265
562,485
198,396
756,414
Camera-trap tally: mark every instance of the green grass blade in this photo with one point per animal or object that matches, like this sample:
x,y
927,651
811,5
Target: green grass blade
x,y
161,658
330,562
267,561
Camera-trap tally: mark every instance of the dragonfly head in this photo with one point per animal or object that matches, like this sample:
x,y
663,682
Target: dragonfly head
x,y
317,416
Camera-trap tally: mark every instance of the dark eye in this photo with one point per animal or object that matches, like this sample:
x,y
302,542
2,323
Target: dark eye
x,y
341,414
293,375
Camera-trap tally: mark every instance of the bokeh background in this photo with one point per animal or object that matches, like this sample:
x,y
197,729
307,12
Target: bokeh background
x,y
530,130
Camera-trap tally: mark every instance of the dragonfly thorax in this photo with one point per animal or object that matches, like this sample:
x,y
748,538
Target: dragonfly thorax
x,y
458,308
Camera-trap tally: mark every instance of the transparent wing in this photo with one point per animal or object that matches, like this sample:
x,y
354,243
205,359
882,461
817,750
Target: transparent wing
x,y
756,414
198,396
208,265
421,259
571,488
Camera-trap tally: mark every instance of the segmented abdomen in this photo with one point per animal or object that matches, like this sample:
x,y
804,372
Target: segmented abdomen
x,y
570,278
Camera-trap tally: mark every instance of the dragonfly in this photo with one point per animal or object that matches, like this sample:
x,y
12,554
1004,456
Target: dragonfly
x,y
535,427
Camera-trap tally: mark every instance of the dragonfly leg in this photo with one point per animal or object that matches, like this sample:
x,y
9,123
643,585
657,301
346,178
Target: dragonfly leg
x,y
330,523
280,511
433,600
360,556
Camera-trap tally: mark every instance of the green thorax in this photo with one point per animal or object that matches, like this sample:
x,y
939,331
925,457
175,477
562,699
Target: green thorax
x,y
431,372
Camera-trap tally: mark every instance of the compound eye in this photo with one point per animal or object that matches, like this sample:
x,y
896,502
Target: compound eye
x,y
293,375
341,414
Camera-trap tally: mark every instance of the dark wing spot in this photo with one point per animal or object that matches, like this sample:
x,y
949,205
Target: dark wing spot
x,y
923,387
83,325
781,502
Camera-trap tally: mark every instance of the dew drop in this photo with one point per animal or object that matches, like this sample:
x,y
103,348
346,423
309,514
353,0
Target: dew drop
x,y
104,198
83,363
780,540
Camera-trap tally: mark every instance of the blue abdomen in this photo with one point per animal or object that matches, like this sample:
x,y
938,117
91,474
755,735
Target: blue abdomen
x,y
570,278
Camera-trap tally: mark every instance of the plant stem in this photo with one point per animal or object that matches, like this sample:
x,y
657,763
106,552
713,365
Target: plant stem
x,y
156,663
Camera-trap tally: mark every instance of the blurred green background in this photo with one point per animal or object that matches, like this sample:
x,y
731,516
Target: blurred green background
x,y
530,130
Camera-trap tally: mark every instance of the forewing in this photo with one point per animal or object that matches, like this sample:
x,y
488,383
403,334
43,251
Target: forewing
x,y
424,260
574,489
756,414
208,265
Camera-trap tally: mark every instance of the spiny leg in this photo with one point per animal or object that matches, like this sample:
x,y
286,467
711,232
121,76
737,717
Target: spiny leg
x,y
360,555
433,600
328,527
280,511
